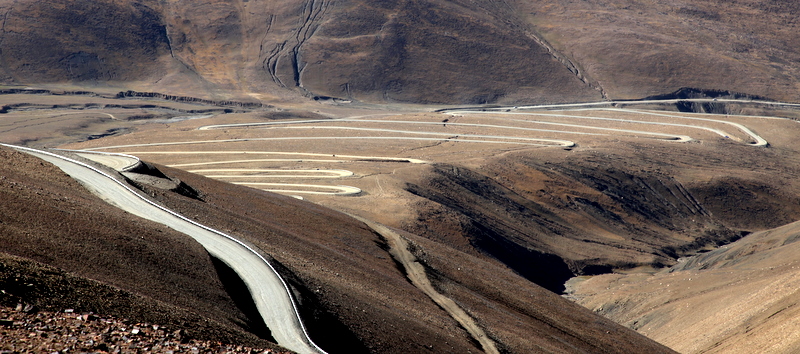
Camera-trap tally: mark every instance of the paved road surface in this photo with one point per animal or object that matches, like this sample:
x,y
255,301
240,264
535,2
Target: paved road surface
x,y
269,292
119,162
273,173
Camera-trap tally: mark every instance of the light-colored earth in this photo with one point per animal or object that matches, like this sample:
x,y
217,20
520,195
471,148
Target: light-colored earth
x,y
741,298
260,150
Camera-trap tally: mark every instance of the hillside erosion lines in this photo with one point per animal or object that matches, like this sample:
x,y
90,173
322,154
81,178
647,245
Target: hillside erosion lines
x,y
269,291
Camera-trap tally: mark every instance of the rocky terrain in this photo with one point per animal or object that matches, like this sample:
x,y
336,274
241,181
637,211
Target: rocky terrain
x,y
45,331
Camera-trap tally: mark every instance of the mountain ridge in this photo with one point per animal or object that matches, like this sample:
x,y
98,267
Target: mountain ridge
x,y
410,51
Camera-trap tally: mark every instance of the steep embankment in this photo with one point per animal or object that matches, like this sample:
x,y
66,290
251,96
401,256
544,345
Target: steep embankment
x,y
353,296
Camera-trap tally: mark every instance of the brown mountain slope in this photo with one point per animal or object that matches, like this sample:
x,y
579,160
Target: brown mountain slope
x,y
741,298
589,211
641,48
382,303
118,264
82,41
432,52
352,295
423,51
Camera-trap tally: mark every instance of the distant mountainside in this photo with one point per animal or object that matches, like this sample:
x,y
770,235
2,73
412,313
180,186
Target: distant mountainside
x,y
413,51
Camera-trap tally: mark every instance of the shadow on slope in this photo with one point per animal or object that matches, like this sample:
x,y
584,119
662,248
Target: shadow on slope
x,y
340,264
550,221
163,276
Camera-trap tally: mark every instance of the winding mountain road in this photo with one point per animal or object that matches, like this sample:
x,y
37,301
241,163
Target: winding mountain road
x,y
521,126
270,293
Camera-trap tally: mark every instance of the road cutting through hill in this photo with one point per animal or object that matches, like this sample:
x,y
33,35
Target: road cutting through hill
x,y
672,137
679,138
304,188
612,103
282,187
119,162
759,141
450,137
598,106
270,293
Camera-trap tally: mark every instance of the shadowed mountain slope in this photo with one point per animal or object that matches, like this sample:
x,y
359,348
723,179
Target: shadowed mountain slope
x,y
420,51
383,310
591,211
82,42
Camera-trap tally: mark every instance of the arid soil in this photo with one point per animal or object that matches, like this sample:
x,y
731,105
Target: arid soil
x,y
611,203
412,51
352,294
78,253
740,298
643,48
384,301
500,207
67,331
619,199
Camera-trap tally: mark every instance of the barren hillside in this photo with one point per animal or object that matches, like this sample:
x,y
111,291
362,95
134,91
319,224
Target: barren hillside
x,y
411,51
671,173
352,294
740,298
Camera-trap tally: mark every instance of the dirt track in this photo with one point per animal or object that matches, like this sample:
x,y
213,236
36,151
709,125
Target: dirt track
x,y
417,275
